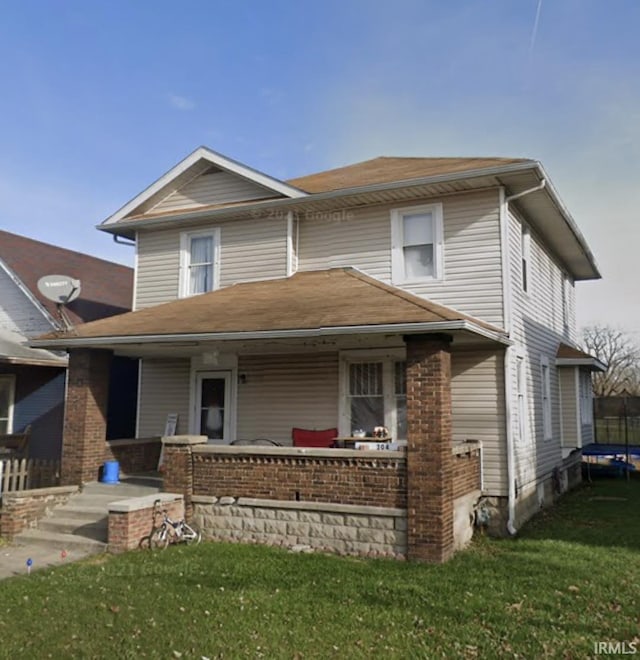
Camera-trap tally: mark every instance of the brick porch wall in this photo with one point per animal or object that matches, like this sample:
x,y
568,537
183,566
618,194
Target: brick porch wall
x,y
334,476
23,509
466,473
85,415
131,521
134,455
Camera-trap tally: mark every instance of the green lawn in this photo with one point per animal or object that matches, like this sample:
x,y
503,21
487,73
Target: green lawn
x,y
570,580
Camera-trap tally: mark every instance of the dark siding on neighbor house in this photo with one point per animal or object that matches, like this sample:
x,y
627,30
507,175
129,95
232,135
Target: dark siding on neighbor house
x,y
39,402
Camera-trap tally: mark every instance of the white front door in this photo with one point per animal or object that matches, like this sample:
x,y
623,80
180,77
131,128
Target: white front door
x,y
213,406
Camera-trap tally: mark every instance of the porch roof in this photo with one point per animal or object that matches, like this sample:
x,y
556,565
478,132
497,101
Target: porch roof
x,y
570,356
334,301
13,351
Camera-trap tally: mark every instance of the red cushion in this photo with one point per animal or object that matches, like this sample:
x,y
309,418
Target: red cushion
x,y
307,438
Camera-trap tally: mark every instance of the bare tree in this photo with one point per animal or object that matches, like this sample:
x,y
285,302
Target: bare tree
x,y
621,355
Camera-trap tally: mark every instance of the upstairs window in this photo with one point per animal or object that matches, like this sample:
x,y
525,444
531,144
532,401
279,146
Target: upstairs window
x,y
416,244
525,248
199,262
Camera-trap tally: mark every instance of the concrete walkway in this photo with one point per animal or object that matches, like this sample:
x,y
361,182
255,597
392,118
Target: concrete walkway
x,y
14,556
73,530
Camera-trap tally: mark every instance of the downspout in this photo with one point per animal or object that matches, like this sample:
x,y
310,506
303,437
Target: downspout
x,y
508,384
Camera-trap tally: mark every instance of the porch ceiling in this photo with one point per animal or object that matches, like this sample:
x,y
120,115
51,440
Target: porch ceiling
x,y
307,305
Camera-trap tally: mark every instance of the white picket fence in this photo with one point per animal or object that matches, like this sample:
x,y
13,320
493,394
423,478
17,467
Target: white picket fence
x,y
26,473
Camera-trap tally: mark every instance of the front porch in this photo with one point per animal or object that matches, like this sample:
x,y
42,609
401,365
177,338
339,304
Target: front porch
x,y
258,359
417,501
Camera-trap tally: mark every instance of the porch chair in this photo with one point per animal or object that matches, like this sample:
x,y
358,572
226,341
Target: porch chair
x,y
309,438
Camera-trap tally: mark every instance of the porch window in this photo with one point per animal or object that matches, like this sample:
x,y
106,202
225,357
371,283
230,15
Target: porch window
x,y
6,404
400,391
366,396
416,243
377,396
199,262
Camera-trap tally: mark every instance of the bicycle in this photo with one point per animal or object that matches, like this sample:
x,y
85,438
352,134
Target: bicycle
x,y
172,531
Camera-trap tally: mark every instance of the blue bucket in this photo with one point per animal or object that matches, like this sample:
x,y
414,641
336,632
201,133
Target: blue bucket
x,y
111,472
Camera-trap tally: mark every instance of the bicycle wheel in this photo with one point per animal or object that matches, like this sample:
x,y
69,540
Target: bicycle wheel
x,y
191,534
159,538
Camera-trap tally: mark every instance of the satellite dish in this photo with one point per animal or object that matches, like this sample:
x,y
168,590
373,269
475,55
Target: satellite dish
x,y
61,289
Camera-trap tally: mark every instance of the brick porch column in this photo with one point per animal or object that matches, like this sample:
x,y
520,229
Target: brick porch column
x,y
177,466
85,415
429,457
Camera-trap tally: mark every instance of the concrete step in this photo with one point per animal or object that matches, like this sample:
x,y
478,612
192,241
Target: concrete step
x,y
80,511
96,530
120,491
54,540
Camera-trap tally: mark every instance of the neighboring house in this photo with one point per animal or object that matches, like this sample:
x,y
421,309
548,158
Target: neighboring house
x,y
263,305
32,381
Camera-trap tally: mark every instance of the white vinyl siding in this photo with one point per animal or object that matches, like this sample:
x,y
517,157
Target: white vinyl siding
x,y
250,249
472,272
283,391
538,327
213,188
164,389
478,410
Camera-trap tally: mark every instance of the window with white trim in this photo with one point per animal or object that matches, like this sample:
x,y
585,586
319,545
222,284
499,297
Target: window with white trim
x,y
586,399
375,395
525,248
521,391
545,395
416,244
199,262
7,387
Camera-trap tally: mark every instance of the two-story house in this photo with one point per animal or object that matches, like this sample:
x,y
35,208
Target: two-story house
x,y
430,296
32,381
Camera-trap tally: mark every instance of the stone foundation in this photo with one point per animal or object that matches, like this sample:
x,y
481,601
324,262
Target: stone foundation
x,y
338,528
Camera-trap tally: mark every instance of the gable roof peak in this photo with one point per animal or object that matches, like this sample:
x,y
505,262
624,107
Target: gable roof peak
x,y
192,166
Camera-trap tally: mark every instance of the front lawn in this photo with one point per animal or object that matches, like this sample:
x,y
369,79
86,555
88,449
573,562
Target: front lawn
x,y
569,581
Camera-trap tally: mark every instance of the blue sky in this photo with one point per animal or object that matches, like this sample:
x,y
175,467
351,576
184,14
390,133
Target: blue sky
x,y
100,98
